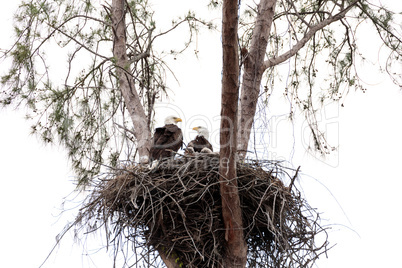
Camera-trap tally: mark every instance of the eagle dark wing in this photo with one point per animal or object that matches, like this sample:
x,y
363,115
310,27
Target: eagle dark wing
x,y
175,140
155,151
199,143
166,139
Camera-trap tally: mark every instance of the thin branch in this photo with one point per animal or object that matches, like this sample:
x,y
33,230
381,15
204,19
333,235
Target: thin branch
x,y
75,40
293,179
379,25
126,129
287,55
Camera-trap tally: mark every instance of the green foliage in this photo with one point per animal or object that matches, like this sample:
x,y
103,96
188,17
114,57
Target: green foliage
x,y
215,3
63,69
323,70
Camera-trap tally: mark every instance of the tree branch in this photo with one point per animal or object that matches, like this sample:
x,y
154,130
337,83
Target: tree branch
x,y
277,60
126,82
252,72
57,29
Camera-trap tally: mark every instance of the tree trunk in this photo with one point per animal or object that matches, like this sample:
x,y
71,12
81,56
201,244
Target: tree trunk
x,y
236,248
253,70
126,82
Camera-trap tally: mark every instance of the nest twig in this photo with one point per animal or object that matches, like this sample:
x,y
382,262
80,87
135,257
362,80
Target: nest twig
x,y
176,208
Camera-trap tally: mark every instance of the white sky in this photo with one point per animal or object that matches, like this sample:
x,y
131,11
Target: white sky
x,y
357,190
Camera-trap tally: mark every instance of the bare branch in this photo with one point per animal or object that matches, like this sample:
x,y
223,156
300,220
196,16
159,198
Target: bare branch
x,y
145,54
124,128
277,60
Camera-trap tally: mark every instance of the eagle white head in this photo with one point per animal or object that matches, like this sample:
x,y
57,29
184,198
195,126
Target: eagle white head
x,y
172,120
202,131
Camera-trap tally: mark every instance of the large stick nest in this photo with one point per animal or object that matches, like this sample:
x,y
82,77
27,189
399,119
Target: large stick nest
x,y
175,209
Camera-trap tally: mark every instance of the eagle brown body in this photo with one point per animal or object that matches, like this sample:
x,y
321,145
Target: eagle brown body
x,y
166,141
199,143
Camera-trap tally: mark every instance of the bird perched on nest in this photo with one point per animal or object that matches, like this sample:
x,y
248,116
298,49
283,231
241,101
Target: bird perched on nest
x,y
167,139
200,144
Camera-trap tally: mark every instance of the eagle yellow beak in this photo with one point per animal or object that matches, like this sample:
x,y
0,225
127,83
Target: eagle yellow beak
x,y
178,119
195,128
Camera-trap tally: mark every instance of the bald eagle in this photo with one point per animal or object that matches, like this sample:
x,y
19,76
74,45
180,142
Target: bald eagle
x,y
200,144
167,139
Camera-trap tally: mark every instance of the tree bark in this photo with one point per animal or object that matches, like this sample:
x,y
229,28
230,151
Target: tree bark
x,y
253,70
126,82
236,248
